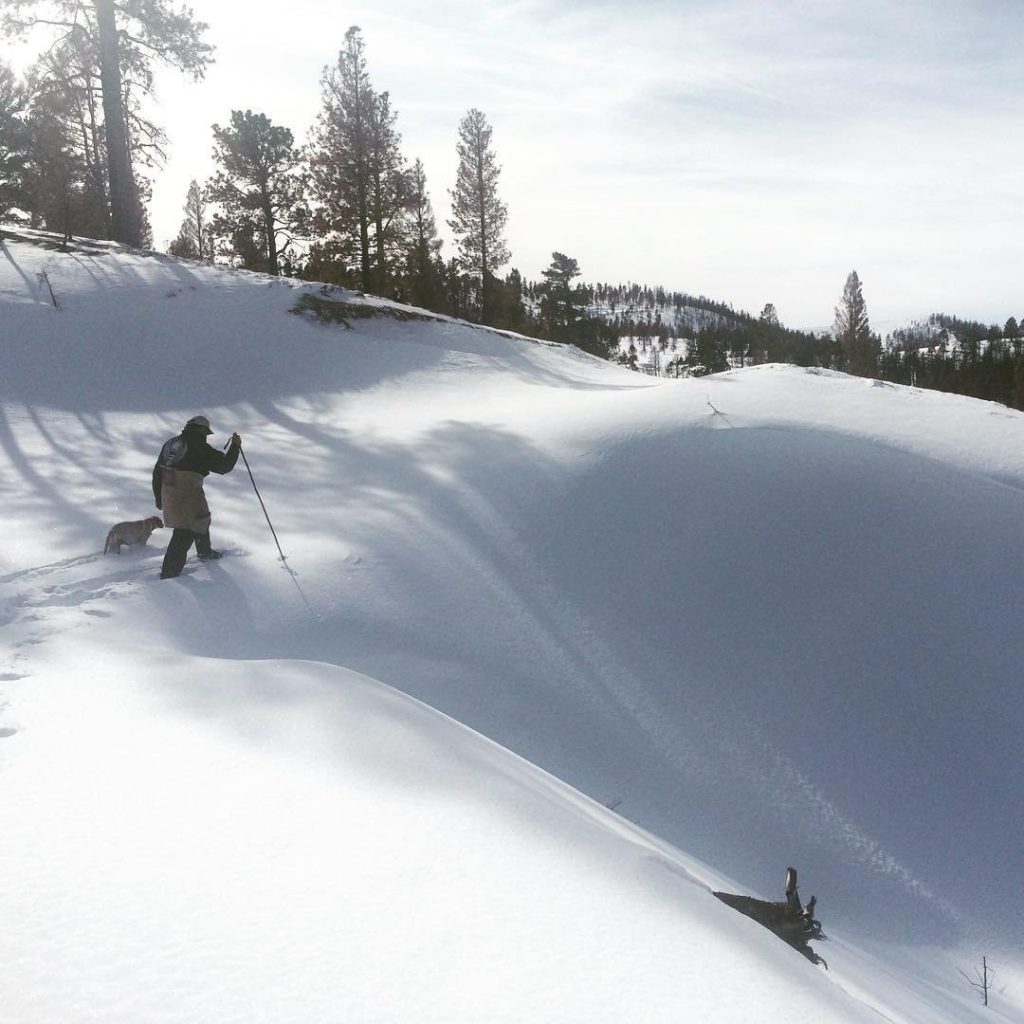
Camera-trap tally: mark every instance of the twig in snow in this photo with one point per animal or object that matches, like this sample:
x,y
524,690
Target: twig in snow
x,y
45,278
718,412
981,980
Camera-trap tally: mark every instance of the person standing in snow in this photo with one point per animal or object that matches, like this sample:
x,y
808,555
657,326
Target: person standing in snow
x,y
178,490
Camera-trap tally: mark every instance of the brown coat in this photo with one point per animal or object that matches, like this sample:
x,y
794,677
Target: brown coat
x,y
183,501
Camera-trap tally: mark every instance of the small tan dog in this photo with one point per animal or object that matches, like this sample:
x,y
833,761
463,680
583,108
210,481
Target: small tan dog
x,y
131,534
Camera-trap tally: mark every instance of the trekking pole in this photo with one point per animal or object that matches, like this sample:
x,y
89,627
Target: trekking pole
x,y
262,506
284,561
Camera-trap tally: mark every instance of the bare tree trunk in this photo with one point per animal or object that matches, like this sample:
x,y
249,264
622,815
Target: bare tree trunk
x,y
200,226
485,296
366,273
92,146
378,230
269,228
124,219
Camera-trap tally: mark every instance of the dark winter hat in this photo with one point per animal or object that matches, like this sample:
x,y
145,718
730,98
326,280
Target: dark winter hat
x,y
199,421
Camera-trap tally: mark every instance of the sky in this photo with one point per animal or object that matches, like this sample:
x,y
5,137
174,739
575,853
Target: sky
x,y
749,150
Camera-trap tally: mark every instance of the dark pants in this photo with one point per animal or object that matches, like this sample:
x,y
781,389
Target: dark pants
x,y
178,549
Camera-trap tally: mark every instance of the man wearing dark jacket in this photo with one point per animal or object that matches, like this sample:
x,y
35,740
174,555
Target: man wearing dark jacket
x,y
178,476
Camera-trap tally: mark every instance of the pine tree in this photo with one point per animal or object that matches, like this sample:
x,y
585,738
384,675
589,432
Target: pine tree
x,y
65,92
852,331
259,190
506,302
769,315
563,303
424,270
389,190
762,338
61,189
707,353
1018,382
15,142
460,290
358,180
339,158
1018,336
124,38
478,215
193,241
67,187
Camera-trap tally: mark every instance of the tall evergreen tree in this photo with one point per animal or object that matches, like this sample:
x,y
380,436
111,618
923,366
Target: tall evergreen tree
x,y
1011,330
852,330
461,297
358,179
68,187
339,158
562,303
478,215
64,100
505,300
15,141
424,270
762,337
769,315
708,352
193,241
124,38
389,191
65,188
259,190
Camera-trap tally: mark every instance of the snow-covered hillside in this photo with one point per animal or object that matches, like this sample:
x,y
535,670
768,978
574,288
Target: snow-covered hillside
x,y
770,617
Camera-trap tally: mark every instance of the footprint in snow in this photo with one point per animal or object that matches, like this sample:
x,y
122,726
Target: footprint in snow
x,y
46,570
70,596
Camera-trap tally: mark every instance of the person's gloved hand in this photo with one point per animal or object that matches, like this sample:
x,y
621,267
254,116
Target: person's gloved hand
x,y
236,440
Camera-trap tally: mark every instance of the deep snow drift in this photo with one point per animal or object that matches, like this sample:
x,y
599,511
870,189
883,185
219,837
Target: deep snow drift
x,y
770,616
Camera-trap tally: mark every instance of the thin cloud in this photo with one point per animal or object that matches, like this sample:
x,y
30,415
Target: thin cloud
x,y
752,151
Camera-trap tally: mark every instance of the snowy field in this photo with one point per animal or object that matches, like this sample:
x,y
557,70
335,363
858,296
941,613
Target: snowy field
x,y
563,648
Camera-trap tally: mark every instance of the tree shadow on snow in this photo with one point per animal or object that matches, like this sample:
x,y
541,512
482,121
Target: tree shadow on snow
x,y
774,646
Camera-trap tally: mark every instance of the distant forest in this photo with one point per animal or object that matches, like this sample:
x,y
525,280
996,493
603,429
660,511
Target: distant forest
x,y
78,153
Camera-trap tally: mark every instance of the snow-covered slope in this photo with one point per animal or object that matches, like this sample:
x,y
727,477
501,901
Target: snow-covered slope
x,y
771,616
